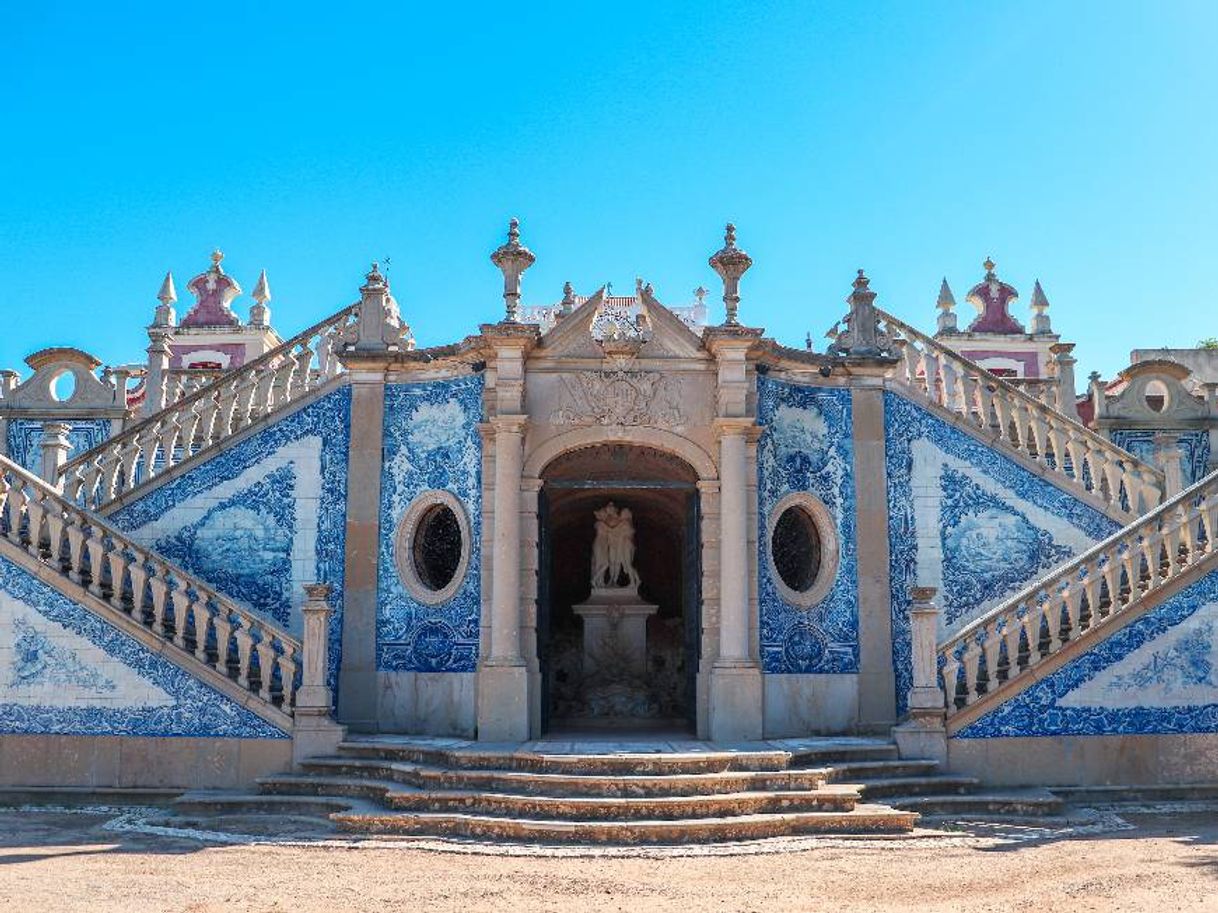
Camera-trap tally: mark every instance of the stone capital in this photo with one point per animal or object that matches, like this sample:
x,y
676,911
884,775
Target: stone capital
x,y
744,426
725,340
509,424
508,335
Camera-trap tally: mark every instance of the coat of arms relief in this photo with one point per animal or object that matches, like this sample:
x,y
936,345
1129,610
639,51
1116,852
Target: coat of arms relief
x,y
619,396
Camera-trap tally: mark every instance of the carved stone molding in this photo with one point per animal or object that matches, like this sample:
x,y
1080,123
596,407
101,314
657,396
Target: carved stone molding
x,y
620,396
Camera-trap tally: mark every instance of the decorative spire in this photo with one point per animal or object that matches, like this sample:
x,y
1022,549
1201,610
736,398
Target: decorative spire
x,y
165,315
989,265
862,337
731,263
1039,305
947,312
260,314
567,305
512,258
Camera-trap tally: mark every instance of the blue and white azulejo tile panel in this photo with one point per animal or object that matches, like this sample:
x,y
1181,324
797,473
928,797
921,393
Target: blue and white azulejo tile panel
x,y
807,446
1194,448
25,439
262,518
431,443
65,671
969,521
1159,674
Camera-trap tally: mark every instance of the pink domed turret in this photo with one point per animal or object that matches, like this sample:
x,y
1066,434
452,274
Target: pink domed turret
x,y
213,290
993,298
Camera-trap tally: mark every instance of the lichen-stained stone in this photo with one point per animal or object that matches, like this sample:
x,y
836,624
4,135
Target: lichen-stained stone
x,y
431,443
1159,674
807,447
969,521
65,671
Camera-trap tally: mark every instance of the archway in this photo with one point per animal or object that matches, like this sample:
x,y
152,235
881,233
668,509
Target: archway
x,y
596,686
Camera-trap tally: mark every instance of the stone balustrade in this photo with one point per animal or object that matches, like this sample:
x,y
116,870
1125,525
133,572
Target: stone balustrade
x,y
135,582
1061,446
1081,598
208,416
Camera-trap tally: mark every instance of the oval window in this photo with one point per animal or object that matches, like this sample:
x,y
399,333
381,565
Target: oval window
x,y
431,547
796,547
437,547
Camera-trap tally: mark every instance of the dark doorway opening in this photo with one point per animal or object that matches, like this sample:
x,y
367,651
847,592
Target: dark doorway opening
x,y
661,492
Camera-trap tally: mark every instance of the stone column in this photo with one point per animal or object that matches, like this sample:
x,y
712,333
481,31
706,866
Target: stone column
x,y
358,691
1167,455
158,370
876,681
55,449
314,730
736,711
1063,363
503,707
924,734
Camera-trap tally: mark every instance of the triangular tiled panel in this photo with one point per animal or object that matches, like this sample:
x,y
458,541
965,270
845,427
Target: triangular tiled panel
x,y
244,544
1158,674
980,540
66,671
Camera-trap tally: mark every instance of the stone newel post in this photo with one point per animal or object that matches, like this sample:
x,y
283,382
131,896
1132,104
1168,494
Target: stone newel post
x,y
314,693
924,734
314,731
55,448
1064,364
1167,455
924,623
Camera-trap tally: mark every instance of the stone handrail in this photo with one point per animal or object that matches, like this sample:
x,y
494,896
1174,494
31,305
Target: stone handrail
x,y
1080,598
207,416
135,582
1058,444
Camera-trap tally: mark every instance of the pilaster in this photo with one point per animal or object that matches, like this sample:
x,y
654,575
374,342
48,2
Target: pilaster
x,y
877,683
357,692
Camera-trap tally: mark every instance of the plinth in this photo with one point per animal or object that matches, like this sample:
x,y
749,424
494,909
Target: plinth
x,y
615,631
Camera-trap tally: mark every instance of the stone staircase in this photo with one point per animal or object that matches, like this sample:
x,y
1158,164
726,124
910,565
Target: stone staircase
x,y
617,793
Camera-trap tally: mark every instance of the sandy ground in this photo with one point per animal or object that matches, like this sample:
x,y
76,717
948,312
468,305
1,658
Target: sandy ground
x,y
70,861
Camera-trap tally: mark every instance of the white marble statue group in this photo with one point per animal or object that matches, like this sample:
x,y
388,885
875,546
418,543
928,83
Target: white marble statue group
x,y
613,549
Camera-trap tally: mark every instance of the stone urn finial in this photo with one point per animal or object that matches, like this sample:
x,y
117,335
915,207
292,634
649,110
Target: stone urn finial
x,y
730,262
512,259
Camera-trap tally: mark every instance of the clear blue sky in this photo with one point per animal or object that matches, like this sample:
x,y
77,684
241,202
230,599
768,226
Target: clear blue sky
x,y
1073,141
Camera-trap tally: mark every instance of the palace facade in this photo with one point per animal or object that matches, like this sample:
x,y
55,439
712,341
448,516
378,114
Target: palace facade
x,y
605,515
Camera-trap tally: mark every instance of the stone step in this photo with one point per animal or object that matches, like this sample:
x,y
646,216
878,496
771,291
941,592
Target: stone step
x,y
1022,803
558,808
864,770
839,750
916,786
1166,792
217,802
548,784
862,819
606,762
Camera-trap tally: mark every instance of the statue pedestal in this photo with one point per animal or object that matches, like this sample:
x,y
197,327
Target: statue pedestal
x,y
615,631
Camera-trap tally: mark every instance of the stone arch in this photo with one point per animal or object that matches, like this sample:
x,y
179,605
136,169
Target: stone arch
x,y
577,439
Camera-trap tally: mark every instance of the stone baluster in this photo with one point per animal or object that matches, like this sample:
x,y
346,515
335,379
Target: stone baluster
x,y
158,370
224,630
159,590
1064,361
95,549
244,643
181,604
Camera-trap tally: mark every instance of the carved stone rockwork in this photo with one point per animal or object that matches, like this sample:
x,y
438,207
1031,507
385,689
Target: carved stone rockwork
x,y
620,396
